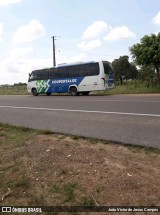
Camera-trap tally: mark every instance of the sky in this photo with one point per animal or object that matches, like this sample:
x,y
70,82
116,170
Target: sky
x,y
85,30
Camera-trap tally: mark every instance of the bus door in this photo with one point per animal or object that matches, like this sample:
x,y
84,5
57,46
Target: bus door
x,y
91,72
109,75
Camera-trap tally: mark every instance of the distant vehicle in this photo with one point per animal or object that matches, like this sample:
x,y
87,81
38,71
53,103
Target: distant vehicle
x,y
72,78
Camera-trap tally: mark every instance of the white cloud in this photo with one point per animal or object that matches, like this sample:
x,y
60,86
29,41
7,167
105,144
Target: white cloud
x,y
71,59
77,58
90,45
1,30
156,19
20,52
16,61
94,30
119,33
27,33
16,67
91,38
8,2
17,70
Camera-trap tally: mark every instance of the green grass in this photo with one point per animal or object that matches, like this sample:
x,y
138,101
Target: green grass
x,y
47,132
69,191
87,201
63,172
22,182
129,87
36,200
17,136
55,189
13,90
147,150
14,135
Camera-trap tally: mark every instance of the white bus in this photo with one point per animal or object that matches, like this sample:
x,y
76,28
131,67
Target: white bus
x,y
72,78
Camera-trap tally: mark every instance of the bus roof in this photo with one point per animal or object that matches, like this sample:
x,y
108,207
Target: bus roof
x,y
71,64
74,64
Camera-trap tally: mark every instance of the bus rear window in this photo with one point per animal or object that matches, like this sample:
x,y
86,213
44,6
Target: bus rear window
x,y
107,67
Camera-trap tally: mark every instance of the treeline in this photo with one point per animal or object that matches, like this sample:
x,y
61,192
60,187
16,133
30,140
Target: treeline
x,y
146,62
14,85
20,84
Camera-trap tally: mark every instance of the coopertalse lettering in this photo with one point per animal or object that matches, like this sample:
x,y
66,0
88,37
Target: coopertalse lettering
x,y
64,81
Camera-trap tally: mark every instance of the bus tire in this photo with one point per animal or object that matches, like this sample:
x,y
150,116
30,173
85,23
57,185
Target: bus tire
x,y
85,93
34,92
48,94
73,91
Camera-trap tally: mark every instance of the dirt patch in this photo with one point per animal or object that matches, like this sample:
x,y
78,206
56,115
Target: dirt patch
x,y
57,169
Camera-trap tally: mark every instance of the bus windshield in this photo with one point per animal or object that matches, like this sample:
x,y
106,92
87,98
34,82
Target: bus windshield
x,y
33,76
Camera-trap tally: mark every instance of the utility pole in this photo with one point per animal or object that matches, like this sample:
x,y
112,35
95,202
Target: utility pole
x,y
54,56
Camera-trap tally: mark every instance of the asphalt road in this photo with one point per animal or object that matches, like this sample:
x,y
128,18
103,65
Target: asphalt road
x,y
130,119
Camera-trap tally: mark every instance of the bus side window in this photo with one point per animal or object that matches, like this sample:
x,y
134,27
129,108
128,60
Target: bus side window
x,y
44,74
38,74
81,71
87,70
56,73
95,69
63,72
76,71
51,73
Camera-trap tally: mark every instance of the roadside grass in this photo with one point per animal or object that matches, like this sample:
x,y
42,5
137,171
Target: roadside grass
x,y
63,171
13,90
127,88
130,89
21,182
15,136
18,135
143,149
87,201
69,191
55,188
47,168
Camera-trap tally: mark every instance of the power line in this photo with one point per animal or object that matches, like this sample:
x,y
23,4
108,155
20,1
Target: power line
x,y
87,52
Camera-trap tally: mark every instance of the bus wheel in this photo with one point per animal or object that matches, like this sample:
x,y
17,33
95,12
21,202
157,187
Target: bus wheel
x,y
85,93
73,91
48,94
34,92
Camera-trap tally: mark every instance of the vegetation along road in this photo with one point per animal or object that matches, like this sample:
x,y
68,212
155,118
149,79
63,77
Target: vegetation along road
x,y
130,119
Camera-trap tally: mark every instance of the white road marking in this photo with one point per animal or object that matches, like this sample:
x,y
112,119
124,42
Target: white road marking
x,y
108,100
113,100
82,111
79,99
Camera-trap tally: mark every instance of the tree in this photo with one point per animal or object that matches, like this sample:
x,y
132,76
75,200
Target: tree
x,y
133,71
146,72
124,69
147,52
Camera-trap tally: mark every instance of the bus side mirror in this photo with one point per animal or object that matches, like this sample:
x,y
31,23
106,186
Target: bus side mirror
x,y
29,74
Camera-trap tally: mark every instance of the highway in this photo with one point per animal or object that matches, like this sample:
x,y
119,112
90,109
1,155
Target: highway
x,y
129,119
